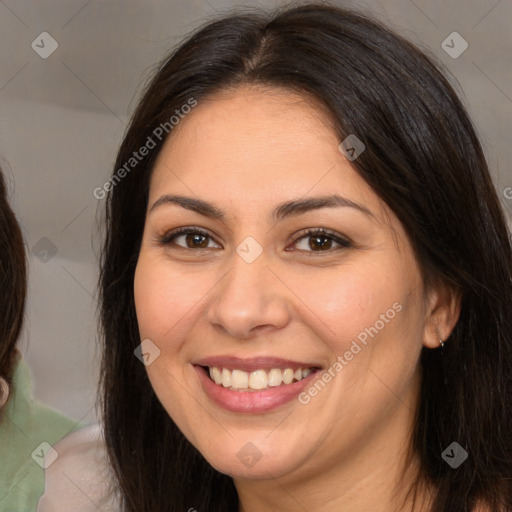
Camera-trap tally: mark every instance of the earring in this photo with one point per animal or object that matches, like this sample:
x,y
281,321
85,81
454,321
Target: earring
x,y
443,364
4,392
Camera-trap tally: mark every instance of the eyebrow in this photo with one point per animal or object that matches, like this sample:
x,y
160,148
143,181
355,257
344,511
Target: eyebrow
x,y
280,212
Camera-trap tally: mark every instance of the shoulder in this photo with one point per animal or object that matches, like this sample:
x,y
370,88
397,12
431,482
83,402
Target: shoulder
x,y
77,474
31,416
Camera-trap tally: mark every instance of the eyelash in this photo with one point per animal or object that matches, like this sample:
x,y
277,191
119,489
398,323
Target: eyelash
x,y
168,237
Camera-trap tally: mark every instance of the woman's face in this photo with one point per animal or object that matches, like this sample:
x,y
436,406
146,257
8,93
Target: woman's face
x,y
258,300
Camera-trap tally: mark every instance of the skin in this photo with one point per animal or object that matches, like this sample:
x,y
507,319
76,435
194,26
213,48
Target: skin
x,y
246,151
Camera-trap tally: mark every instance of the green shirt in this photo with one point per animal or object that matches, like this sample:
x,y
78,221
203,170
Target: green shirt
x,y
27,431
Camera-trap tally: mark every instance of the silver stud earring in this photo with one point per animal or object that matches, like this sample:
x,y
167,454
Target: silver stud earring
x,y
442,359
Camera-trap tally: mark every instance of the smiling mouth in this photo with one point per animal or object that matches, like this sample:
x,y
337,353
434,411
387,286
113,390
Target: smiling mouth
x,y
258,380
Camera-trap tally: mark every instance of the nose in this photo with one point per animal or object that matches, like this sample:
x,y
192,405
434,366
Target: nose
x,y
249,300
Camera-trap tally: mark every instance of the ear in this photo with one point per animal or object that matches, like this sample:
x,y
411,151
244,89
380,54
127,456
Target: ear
x,y
4,392
442,314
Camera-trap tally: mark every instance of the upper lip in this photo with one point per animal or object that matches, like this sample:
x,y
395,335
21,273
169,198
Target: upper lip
x,y
252,364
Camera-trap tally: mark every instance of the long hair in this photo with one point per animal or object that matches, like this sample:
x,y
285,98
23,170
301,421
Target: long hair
x,y
13,284
422,158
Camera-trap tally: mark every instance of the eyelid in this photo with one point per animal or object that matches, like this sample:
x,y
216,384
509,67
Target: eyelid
x,y
165,239
341,240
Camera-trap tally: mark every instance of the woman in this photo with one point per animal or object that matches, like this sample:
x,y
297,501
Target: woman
x,y
27,428
306,280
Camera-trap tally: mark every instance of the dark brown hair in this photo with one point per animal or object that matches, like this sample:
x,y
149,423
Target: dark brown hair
x,y
13,284
422,158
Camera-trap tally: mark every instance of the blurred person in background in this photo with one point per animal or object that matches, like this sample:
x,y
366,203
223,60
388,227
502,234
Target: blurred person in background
x,y
27,427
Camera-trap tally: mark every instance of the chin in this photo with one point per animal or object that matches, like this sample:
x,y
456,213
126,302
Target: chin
x,y
252,461
262,469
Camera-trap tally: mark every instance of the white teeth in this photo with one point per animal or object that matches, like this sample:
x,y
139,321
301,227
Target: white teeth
x,y
257,380
239,379
217,377
226,378
275,377
288,376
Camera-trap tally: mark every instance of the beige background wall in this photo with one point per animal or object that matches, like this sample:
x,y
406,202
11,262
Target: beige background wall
x,y
62,118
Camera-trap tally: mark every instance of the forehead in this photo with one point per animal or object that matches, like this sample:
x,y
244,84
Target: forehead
x,y
256,144
250,119
249,150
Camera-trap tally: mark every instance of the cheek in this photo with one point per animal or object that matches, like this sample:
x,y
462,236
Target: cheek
x,y
345,301
164,303
164,298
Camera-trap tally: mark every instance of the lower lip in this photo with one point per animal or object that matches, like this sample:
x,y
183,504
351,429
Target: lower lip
x,y
251,401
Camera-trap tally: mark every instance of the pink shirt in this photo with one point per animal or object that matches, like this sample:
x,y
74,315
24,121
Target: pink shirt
x,y
80,479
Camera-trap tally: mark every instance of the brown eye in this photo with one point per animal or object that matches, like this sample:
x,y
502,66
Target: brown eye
x,y
195,240
320,240
192,239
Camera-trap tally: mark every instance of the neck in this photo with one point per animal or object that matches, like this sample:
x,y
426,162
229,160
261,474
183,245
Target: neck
x,y
331,493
